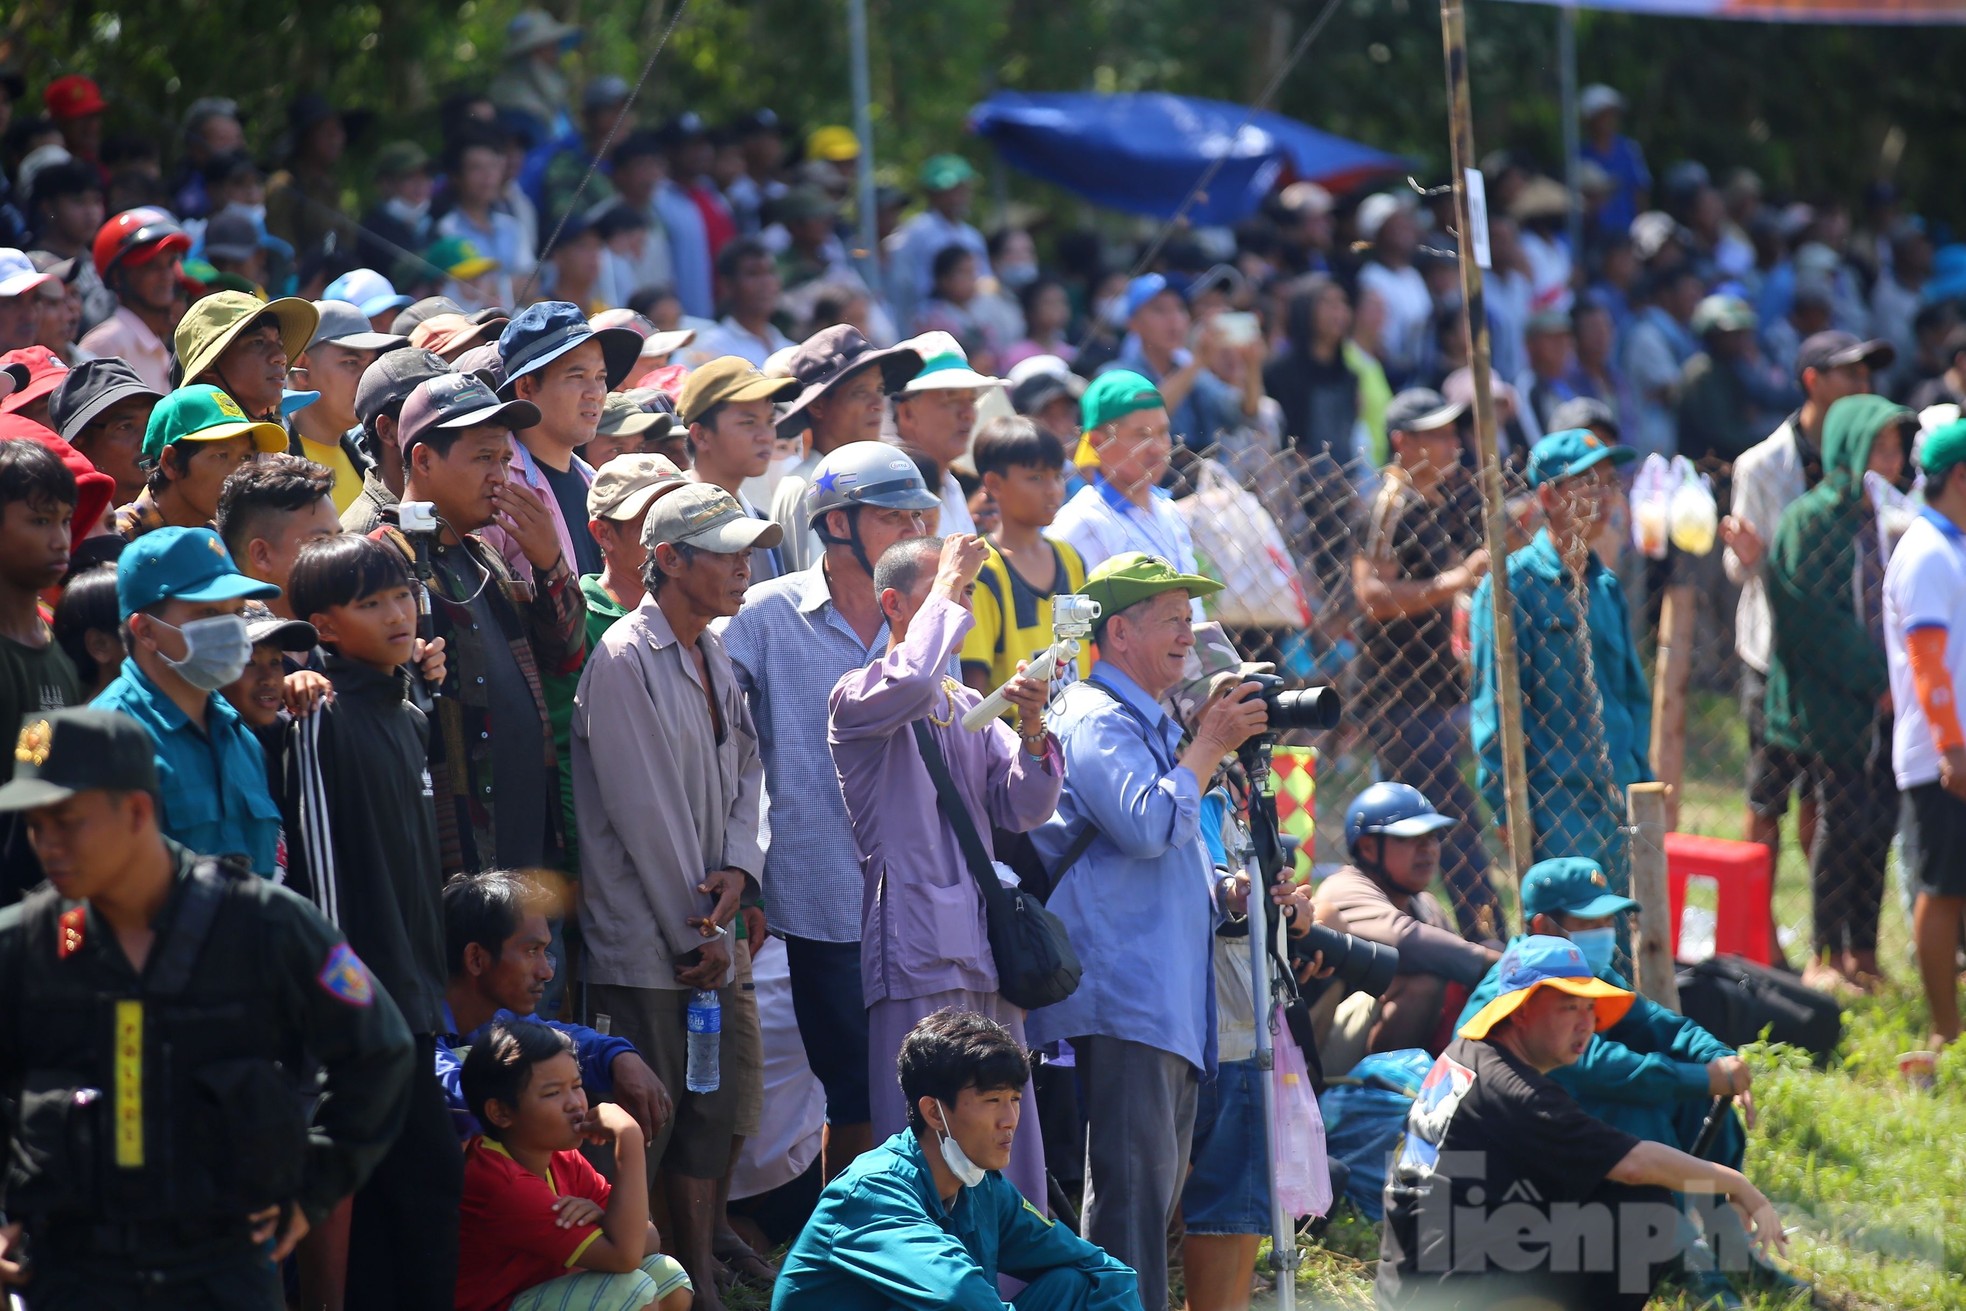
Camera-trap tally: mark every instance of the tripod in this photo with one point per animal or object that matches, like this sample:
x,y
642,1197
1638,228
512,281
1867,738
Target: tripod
x,y
1261,855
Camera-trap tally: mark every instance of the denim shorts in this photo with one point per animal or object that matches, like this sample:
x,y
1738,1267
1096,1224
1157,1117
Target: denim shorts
x,y
1228,1191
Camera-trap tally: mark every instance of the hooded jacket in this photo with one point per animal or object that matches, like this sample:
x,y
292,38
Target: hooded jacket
x,y
94,489
1825,674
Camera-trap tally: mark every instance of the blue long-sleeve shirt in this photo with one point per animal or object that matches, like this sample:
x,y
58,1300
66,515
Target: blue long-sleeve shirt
x,y
1138,904
882,1240
1559,701
595,1052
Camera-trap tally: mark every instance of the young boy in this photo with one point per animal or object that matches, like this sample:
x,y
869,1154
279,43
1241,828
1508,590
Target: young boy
x,y
37,505
362,843
1023,470
533,1206
260,694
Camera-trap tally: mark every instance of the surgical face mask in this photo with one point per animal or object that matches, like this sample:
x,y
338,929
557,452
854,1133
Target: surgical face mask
x,y
216,651
257,213
1597,947
1017,276
405,211
968,1173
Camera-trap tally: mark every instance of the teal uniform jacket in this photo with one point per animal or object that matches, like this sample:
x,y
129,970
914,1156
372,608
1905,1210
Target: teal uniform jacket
x,y
1576,792
1646,1074
882,1239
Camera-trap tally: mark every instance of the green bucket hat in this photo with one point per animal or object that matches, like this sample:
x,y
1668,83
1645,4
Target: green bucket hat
x,y
203,413
1134,576
211,324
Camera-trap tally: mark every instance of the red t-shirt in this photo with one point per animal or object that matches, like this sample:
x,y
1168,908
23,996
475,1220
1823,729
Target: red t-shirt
x,y
508,1238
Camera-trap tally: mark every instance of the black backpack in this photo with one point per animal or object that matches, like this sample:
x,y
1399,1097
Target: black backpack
x,y
1736,999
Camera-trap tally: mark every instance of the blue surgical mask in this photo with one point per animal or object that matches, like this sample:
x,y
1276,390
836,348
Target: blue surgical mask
x,y
1597,946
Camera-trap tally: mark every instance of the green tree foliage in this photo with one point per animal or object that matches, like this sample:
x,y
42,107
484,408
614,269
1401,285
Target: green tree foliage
x,y
1817,111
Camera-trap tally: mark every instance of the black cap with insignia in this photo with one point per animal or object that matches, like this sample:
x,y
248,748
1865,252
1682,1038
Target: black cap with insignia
x,y
63,752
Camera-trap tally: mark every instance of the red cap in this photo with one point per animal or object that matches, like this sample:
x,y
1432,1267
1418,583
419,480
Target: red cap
x,y
45,372
73,96
93,489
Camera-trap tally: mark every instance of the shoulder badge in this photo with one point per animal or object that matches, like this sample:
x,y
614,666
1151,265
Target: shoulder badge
x,y
68,932
1048,1222
345,978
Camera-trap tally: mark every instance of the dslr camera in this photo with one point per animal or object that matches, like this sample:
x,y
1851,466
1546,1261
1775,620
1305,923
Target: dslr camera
x,y
1305,708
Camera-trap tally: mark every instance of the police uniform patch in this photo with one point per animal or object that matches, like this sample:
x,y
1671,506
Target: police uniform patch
x,y
345,977
1048,1222
68,936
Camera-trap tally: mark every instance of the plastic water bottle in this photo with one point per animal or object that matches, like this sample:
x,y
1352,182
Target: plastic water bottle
x,y
706,1024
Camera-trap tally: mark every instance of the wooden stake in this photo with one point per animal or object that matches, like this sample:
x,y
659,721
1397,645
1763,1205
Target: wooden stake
x,y
1672,674
1474,313
1652,949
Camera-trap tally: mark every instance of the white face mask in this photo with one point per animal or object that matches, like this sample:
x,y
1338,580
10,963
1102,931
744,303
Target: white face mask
x,y
257,213
217,650
968,1173
409,213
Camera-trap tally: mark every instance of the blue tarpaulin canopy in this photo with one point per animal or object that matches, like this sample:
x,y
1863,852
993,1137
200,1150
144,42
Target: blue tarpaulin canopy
x,y
1143,153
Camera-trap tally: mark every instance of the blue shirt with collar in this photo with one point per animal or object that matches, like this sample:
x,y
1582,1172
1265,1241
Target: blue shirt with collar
x,y
789,646
211,781
1138,905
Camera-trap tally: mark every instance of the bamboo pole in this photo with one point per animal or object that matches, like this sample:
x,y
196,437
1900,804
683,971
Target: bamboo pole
x,y
1508,681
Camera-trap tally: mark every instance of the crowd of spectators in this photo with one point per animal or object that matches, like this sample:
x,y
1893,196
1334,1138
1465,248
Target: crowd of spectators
x,y
568,569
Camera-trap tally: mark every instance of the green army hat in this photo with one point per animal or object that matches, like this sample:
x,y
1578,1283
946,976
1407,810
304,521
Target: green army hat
x,y
1133,576
1571,885
64,752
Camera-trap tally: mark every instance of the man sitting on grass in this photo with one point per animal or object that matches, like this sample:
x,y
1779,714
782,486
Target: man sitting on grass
x,y
534,1208
1505,1191
927,1220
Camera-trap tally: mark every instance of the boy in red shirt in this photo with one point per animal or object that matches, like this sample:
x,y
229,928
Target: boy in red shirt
x,y
534,1209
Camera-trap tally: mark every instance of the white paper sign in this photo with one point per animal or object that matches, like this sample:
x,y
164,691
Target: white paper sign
x,y
1478,217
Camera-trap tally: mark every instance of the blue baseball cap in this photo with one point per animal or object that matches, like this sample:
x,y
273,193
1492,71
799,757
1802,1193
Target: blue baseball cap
x,y
1568,453
542,333
1144,288
1573,885
1542,962
367,290
181,564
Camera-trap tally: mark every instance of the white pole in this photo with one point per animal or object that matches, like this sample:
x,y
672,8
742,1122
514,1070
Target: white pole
x,y
863,127
1566,57
1284,1256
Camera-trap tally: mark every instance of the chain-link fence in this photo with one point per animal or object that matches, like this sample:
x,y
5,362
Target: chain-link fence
x,y
1367,577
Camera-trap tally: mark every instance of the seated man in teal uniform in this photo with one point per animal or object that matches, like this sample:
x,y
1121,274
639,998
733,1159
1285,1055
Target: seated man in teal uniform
x,y
1654,1073
927,1220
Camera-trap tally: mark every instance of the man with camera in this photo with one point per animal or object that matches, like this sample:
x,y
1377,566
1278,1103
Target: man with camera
x,y
924,942
1393,835
1137,905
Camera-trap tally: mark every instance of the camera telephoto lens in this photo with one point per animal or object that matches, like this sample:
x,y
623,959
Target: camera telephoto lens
x,y
1363,966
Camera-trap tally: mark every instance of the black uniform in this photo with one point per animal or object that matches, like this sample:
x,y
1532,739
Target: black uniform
x,y
254,1061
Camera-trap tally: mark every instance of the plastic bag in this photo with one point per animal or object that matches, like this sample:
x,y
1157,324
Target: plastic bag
x,y
1303,1177
1672,502
1240,544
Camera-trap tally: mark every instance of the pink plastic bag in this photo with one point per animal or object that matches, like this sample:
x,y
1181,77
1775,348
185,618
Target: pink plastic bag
x,y
1303,1177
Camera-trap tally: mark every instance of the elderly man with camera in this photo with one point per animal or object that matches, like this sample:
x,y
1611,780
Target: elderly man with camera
x,y
1139,904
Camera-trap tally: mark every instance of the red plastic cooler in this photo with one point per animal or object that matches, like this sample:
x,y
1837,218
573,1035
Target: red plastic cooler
x,y
1745,878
